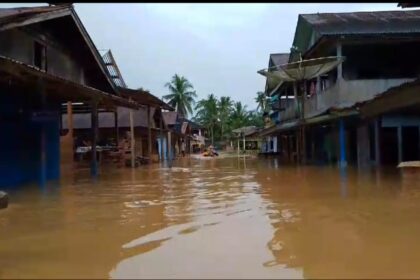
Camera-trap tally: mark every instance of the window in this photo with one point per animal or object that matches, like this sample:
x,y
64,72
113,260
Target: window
x,y
381,61
40,56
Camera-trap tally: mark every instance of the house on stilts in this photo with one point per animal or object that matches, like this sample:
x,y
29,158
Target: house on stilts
x,y
363,112
46,59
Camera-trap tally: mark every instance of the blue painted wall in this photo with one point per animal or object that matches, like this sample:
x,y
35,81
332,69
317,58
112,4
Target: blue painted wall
x,y
20,142
162,144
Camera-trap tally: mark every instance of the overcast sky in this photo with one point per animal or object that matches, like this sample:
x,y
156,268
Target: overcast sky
x,y
218,47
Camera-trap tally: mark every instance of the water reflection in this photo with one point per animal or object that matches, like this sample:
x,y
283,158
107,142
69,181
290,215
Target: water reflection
x,y
223,218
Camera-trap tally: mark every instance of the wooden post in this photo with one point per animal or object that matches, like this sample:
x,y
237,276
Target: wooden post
x,y
140,148
243,139
70,135
149,133
377,142
363,146
133,150
302,116
169,144
342,140
295,97
340,66
43,147
161,157
418,156
70,118
117,133
94,126
400,143
238,143
297,145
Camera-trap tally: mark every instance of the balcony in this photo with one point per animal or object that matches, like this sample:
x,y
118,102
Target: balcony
x,y
346,93
343,94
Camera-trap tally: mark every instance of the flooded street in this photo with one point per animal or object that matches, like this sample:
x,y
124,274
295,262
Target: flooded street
x,y
223,218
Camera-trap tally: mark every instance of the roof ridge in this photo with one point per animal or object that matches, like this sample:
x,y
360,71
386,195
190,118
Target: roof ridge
x,y
362,12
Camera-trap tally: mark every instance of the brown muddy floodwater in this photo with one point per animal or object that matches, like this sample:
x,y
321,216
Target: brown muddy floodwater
x,y
222,218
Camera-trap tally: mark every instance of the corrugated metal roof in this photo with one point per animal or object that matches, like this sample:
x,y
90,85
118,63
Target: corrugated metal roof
x,y
365,22
170,118
113,70
12,14
278,59
107,120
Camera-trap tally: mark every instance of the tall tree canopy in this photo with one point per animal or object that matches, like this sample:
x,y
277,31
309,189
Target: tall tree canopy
x,y
207,113
182,96
262,101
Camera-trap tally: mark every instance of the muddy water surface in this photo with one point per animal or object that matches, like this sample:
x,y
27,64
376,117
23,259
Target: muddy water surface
x,y
224,218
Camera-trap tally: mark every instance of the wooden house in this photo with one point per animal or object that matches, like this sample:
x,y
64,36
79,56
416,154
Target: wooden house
x,y
46,58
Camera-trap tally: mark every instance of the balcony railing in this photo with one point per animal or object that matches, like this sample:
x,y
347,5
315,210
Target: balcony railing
x,y
344,93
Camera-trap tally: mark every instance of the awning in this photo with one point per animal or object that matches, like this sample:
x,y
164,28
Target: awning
x,y
56,87
318,119
145,98
246,130
301,70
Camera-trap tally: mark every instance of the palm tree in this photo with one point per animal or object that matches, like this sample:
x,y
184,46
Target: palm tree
x,y
182,95
224,107
207,114
239,116
262,101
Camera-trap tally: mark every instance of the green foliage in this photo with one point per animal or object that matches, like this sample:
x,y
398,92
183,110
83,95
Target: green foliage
x,y
221,116
182,95
262,101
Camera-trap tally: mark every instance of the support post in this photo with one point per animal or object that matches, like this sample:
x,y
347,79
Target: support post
x,y
94,118
169,146
70,135
133,140
117,133
340,66
70,119
377,125
363,146
243,139
400,144
238,144
43,148
149,134
161,135
297,145
418,156
342,140
296,98
318,85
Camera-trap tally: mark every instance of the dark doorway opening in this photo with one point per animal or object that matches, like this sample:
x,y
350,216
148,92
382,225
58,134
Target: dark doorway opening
x,y
410,143
389,146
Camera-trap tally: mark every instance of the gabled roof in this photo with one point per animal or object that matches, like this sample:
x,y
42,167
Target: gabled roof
x,y
408,5
144,97
312,27
381,22
17,17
